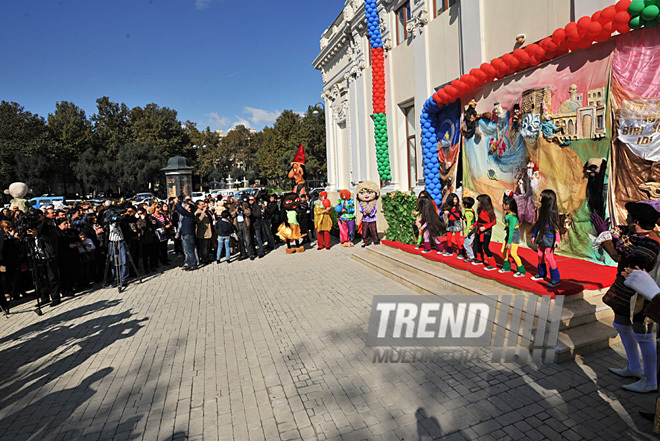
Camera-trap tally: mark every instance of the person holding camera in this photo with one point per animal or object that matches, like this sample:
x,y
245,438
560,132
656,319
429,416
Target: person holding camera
x,y
40,241
241,217
187,232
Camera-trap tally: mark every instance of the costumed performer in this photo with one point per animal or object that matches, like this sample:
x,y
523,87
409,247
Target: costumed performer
x,y
346,219
323,220
289,230
298,173
367,193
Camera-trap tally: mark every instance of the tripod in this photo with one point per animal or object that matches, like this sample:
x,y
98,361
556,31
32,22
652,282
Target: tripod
x,y
37,268
114,253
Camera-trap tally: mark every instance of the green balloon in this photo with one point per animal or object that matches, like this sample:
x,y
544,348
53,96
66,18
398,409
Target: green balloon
x,y
635,23
636,7
650,12
653,22
650,2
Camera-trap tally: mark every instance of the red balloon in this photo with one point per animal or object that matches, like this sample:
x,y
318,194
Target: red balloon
x,y
594,29
533,61
622,17
574,35
443,95
522,56
572,26
473,82
622,5
622,28
452,92
479,76
326,203
596,16
607,15
461,86
559,35
489,70
539,52
438,100
603,36
583,24
500,67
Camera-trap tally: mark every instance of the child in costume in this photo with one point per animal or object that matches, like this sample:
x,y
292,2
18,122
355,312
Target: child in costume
x,y
290,229
635,245
367,194
452,211
486,220
418,214
432,225
512,238
546,236
346,219
470,228
323,220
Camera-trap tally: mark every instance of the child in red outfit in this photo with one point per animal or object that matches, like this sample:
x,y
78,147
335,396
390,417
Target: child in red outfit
x,y
485,222
452,211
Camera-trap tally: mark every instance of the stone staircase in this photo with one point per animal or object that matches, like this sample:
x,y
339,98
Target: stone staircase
x,y
586,322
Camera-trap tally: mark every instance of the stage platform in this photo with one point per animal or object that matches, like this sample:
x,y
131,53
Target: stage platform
x,y
586,322
576,275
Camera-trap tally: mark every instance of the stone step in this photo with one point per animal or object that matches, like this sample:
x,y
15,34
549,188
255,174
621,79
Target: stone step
x,y
585,324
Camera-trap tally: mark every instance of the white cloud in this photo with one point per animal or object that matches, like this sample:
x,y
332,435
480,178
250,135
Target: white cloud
x,y
260,116
250,118
202,4
216,122
241,122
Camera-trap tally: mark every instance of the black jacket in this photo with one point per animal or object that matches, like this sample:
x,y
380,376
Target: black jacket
x,y
224,227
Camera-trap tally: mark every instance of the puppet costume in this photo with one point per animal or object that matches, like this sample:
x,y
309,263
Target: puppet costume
x,y
298,173
367,194
346,218
323,220
289,230
18,191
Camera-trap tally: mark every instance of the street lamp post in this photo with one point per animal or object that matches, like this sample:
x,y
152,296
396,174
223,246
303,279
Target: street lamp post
x,y
315,112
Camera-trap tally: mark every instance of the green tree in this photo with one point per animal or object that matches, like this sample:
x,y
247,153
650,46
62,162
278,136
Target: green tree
x,y
27,153
95,170
312,135
160,126
110,125
138,166
72,133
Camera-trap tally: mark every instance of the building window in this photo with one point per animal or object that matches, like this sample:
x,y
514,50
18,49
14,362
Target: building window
x,y
411,146
440,6
402,18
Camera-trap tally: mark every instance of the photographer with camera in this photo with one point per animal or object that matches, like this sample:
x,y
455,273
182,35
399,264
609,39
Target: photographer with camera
x,y
187,232
116,225
240,214
39,240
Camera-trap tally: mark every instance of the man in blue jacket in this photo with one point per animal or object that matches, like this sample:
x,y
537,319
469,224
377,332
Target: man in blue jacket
x,y
187,233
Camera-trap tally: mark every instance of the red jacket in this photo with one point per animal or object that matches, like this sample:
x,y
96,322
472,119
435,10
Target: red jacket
x,y
485,220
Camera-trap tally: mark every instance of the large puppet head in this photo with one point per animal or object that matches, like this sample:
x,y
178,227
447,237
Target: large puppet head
x,y
18,190
290,201
345,195
367,191
297,171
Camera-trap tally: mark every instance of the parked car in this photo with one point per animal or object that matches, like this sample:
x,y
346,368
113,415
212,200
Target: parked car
x,y
317,189
197,196
244,193
142,197
45,200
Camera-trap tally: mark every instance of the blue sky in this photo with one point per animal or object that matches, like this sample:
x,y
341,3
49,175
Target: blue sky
x,y
217,62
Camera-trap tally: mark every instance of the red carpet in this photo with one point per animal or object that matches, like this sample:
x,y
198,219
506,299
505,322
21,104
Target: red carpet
x,y
576,275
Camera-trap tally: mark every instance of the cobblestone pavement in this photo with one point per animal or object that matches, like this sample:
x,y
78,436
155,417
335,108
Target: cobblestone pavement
x,y
274,349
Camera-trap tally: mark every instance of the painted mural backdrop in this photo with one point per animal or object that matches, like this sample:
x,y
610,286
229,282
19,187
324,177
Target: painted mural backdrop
x,y
635,100
545,128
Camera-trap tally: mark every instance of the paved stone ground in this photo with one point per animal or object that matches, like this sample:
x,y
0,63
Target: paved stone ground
x,y
274,349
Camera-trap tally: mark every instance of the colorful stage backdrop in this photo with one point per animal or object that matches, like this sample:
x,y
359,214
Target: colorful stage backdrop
x,y
552,127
